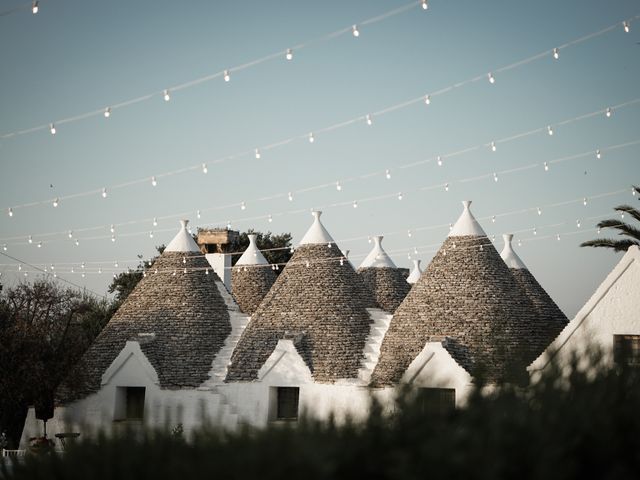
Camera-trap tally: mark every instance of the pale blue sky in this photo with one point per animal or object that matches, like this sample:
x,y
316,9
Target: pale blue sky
x,y
78,56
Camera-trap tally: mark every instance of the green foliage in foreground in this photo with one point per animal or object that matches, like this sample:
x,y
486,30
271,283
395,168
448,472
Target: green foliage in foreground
x,y
590,430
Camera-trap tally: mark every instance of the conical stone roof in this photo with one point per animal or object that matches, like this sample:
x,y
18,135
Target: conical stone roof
x,y
381,276
320,303
467,295
550,320
180,320
251,278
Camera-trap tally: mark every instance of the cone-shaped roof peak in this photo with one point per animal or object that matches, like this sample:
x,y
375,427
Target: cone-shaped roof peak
x,y
183,241
509,256
414,276
252,255
377,258
316,233
467,225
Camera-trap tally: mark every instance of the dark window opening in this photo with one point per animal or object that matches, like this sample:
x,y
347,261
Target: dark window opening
x,y
437,401
134,409
626,350
287,403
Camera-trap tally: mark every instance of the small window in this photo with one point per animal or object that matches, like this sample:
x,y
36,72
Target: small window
x,y
130,403
437,401
287,403
626,350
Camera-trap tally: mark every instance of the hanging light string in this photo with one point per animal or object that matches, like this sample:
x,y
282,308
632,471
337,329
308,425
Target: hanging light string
x,y
33,7
387,172
546,207
220,74
257,152
73,232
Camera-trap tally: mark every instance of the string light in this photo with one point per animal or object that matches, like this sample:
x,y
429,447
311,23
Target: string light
x,y
52,128
184,260
491,78
257,152
290,196
338,186
227,76
355,204
493,146
104,193
205,170
56,202
115,264
243,206
584,201
439,160
546,166
633,191
70,234
608,112
425,5
154,182
549,130
10,212
341,261
558,236
578,223
112,228
311,138
198,214
39,244
77,242
369,119
206,272
113,238
289,54
100,270
598,154
35,7
446,187
495,177
4,247
399,195
150,233
355,31
155,222
427,100
228,224
625,26
30,240
107,112
493,219
535,231
539,210
556,53
387,174
270,218
166,95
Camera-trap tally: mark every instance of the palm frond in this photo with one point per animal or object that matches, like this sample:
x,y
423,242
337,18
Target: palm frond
x,y
628,209
622,227
616,245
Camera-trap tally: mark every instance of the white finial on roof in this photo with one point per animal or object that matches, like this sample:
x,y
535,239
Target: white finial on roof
x,y
510,257
467,225
183,241
377,257
252,255
414,276
316,233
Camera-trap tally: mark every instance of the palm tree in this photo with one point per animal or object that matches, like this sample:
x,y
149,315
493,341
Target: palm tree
x,y
632,233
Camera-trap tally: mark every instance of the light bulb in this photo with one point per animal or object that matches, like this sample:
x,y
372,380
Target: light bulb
x,y
539,210
625,25
556,53
450,226
399,195
355,31
70,234
584,201
155,222
491,78
493,219
549,130
19,267
387,174
546,167
289,54
205,170
519,242
608,112
338,186
99,270
439,160
370,240
633,191
82,265
166,95
425,5
290,196
270,218
493,146
151,234
228,224
578,223
415,250
409,255
52,128
328,245
227,76
39,244
77,242
185,270
104,193
311,138
535,231
206,272
56,202
198,213
558,236
107,112
35,7
30,239
257,152
4,247
184,260
427,100
598,154
481,248
10,212
243,206
342,261
446,187
369,119
355,204
154,182
113,238
112,229
598,231
495,177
